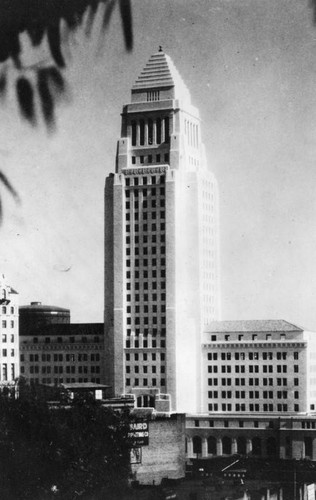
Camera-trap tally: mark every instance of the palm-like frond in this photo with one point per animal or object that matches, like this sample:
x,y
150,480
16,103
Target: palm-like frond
x,y
40,19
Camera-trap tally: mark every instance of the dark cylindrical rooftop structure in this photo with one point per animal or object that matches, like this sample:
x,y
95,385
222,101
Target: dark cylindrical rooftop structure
x,y
37,315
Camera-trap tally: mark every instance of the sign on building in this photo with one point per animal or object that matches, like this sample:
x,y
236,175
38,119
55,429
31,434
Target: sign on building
x,y
139,433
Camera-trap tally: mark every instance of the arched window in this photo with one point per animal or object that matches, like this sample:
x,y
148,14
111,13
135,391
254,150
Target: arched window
x,y
211,445
227,445
134,133
142,132
241,446
197,445
271,447
158,131
256,446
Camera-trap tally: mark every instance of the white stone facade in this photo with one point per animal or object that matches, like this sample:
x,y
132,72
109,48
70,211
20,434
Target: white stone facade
x,y
161,245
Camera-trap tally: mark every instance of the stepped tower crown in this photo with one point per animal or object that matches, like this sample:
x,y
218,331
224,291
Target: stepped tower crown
x,y
160,74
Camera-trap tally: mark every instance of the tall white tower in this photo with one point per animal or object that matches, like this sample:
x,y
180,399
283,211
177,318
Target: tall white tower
x,y
161,245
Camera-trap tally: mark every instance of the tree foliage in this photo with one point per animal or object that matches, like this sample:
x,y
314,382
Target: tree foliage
x,y
43,19
65,452
44,81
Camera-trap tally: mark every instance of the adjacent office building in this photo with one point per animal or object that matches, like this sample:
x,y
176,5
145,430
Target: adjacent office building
x,y
9,338
54,351
161,245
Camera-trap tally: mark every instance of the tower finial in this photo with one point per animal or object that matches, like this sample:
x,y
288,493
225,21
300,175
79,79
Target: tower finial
x,y
160,49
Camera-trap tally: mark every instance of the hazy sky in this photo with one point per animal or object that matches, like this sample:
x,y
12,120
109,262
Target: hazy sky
x,y
250,66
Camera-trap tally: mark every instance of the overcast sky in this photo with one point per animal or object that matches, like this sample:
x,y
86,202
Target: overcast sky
x,y
250,66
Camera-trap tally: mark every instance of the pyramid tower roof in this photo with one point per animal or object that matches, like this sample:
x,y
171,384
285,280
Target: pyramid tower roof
x,y
159,73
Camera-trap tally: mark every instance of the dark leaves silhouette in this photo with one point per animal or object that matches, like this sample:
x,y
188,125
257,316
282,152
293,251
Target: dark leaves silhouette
x,y
126,16
5,181
40,19
25,95
47,101
3,84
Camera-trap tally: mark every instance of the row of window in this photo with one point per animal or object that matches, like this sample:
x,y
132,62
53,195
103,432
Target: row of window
x,y
251,381
150,132
58,381
145,297
241,423
61,369
150,158
5,352
60,357
154,308
144,356
146,205
5,323
250,394
145,262
72,340
4,337
240,356
154,344
144,382
242,337
145,217
153,180
146,332
191,130
144,368
250,368
144,274
7,310
266,407
145,191
145,320
4,371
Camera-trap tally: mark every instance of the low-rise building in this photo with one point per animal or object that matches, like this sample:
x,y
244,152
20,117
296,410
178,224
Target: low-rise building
x,y
271,436
54,351
258,367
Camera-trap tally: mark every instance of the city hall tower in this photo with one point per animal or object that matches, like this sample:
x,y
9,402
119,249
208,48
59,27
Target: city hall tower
x,y
161,246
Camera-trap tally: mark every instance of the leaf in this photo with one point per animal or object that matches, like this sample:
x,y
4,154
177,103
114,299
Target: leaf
x,y
55,76
3,83
91,15
54,41
47,102
107,14
25,97
126,17
8,185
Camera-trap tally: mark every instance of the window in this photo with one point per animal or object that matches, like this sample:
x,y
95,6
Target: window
x,y
296,355
133,133
142,132
4,323
296,369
